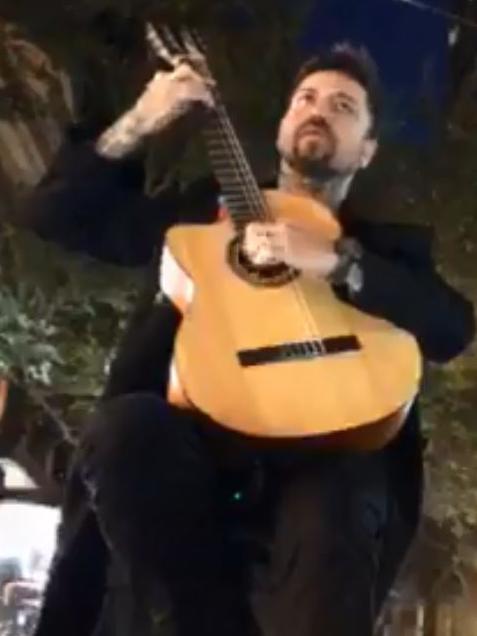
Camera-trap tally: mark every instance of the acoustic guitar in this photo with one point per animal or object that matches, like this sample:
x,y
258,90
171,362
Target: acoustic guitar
x,y
266,351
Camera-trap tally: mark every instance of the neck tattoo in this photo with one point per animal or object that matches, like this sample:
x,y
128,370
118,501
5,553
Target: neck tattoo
x,y
331,191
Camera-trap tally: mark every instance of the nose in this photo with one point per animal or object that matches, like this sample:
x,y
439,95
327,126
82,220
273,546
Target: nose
x,y
319,109
316,108
324,110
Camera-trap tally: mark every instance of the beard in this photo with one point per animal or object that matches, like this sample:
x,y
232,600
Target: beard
x,y
313,151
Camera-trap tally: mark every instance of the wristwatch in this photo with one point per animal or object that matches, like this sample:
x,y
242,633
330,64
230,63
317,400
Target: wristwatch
x,y
348,271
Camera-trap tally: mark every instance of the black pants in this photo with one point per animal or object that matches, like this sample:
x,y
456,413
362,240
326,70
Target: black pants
x,y
246,537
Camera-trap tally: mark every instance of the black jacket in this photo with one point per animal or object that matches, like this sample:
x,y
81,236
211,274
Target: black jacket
x,y
97,206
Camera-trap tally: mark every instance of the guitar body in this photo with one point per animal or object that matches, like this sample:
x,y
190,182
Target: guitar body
x,y
252,356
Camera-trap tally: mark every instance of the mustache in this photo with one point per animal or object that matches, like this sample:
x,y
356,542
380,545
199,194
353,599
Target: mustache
x,y
318,124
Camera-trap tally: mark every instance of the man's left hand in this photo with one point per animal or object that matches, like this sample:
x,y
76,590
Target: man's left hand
x,y
285,242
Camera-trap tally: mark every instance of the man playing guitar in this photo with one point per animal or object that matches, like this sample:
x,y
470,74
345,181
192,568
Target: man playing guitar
x,y
248,534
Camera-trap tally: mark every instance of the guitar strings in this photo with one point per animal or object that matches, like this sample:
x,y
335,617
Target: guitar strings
x,y
257,202
315,338
194,42
253,196
253,199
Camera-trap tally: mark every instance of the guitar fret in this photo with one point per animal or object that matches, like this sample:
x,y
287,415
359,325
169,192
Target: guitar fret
x,y
235,198
223,141
239,188
240,214
240,207
225,167
234,184
244,201
222,157
244,210
235,195
216,150
231,170
247,209
239,202
233,177
234,187
229,175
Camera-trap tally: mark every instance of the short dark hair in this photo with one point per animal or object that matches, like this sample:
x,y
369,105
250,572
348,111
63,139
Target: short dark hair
x,y
356,63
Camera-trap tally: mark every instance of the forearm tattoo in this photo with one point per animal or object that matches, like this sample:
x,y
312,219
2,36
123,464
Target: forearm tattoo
x,y
122,137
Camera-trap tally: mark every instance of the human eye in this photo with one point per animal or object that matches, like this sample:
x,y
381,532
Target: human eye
x,y
305,97
343,105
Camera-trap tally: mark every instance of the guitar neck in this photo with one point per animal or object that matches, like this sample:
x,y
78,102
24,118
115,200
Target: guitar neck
x,y
243,198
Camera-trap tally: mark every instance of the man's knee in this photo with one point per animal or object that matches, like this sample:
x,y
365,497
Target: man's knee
x,y
129,427
136,441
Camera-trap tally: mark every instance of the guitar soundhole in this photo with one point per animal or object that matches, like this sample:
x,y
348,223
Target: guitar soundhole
x,y
258,275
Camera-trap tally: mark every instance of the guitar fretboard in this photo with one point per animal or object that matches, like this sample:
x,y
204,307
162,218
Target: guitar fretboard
x,y
239,188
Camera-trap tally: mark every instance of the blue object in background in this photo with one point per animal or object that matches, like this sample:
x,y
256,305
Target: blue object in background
x,y
410,47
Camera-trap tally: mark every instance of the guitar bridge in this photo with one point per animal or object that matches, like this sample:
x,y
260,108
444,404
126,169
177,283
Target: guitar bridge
x,y
291,351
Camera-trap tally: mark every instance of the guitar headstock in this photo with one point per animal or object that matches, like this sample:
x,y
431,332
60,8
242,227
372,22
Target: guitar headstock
x,y
176,46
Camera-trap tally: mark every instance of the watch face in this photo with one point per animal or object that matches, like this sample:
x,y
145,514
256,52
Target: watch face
x,y
354,279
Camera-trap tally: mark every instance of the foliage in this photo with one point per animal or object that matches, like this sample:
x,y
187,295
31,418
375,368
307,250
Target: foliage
x,y
436,187
60,314
60,317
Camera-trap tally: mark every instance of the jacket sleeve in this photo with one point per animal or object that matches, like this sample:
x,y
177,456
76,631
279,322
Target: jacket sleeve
x,y
97,206
400,284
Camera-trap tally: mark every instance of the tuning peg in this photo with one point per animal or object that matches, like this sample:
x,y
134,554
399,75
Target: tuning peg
x,y
158,46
